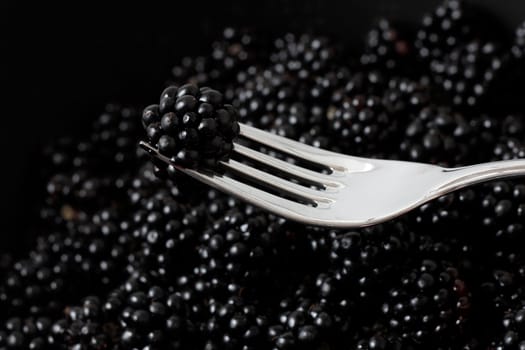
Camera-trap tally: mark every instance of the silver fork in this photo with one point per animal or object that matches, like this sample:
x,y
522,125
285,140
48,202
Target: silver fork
x,y
355,192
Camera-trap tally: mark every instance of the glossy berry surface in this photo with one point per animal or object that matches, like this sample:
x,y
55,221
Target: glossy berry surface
x,y
191,125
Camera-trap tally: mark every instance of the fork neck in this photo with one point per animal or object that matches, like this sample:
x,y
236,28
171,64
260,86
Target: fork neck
x,y
472,174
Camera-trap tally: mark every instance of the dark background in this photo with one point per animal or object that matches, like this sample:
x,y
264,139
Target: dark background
x,y
62,62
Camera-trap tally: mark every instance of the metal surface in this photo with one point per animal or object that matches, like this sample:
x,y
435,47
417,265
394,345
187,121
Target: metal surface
x,y
357,192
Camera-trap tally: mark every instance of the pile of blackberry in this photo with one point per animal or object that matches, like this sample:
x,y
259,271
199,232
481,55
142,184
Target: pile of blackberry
x,y
125,255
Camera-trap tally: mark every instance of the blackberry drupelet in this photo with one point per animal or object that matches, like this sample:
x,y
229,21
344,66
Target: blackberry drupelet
x,y
191,125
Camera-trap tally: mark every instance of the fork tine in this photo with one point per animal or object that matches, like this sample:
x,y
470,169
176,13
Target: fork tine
x,y
278,205
298,149
303,192
292,169
259,198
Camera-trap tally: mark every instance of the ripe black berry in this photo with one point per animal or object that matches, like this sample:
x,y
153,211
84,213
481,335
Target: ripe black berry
x,y
518,49
438,135
449,26
192,126
387,48
467,72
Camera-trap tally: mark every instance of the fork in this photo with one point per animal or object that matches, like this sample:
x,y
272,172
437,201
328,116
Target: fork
x,y
351,192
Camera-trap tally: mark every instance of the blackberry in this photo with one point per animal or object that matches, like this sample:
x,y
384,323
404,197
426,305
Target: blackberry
x,y
193,70
234,324
513,126
303,323
114,136
25,333
151,313
456,210
369,114
237,49
63,265
284,104
264,96
439,135
518,48
362,82
230,54
243,247
192,125
363,125
387,48
509,148
82,170
85,326
431,304
499,291
407,97
513,330
164,232
468,71
66,155
303,56
143,312
112,141
502,211
450,25
327,86
510,145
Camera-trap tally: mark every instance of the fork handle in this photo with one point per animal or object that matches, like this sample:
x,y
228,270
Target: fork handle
x,y
473,174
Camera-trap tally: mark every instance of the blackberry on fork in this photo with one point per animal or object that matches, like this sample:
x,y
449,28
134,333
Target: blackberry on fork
x,y
191,125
